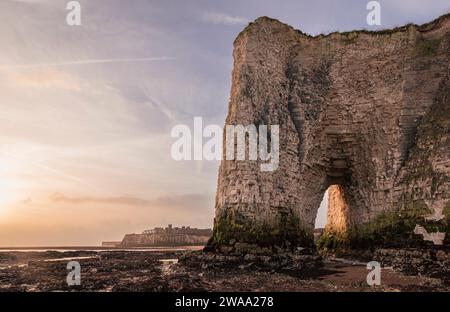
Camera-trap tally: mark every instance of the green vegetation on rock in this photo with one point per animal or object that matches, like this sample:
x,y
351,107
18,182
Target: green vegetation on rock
x,y
389,229
287,233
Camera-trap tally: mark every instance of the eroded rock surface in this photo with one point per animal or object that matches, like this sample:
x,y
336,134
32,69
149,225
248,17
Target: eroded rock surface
x,y
147,271
367,111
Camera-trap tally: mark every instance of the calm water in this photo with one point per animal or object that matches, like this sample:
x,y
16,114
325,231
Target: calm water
x,y
98,249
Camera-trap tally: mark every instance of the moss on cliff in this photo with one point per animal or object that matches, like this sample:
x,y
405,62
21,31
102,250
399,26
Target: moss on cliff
x,y
286,233
332,241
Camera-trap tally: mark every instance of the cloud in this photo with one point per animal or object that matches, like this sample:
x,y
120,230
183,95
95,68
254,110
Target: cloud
x,y
141,94
41,165
185,201
223,19
30,1
163,109
87,62
121,200
43,78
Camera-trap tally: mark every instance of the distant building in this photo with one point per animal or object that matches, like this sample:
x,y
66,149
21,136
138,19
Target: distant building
x,y
169,236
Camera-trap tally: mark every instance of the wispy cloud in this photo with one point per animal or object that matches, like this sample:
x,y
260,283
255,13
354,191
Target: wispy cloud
x,y
167,112
223,19
30,1
39,164
87,62
121,200
183,201
41,78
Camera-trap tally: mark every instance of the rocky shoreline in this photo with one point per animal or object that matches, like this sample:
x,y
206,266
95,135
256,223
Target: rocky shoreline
x,y
156,271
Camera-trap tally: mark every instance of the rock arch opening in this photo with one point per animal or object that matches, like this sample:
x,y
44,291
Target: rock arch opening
x,y
321,217
333,217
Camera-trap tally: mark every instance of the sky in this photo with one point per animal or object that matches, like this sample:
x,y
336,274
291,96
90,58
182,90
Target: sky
x,y
86,111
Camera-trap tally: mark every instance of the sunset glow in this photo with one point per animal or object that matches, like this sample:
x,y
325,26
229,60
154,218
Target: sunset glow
x,y
86,111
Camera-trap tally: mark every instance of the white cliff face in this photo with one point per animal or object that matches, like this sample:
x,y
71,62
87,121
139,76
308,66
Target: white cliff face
x,y
367,111
437,237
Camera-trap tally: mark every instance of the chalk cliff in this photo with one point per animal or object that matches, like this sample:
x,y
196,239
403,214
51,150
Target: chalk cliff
x,y
365,112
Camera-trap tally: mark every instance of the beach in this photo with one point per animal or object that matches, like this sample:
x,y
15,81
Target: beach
x,y
156,270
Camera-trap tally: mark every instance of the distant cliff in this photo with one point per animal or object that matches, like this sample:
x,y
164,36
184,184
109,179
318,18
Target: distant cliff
x,y
168,236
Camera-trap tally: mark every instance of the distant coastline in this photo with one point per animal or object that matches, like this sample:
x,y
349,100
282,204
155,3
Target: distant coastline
x,y
163,237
